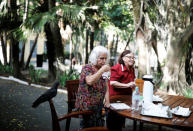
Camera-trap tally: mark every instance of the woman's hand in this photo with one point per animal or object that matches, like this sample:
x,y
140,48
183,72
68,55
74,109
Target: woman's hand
x,y
105,68
107,103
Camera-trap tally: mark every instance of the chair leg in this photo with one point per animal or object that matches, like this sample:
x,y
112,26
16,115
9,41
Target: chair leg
x,y
68,119
55,122
134,125
141,126
159,128
68,124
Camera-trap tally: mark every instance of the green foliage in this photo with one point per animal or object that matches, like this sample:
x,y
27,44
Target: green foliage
x,y
152,11
117,18
69,75
119,13
66,54
35,74
73,14
6,69
188,93
10,17
157,76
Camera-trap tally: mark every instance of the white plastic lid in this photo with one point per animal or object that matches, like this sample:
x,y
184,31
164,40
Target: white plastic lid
x,y
148,76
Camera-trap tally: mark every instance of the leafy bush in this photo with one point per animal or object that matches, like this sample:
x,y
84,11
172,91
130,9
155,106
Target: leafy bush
x,y
69,75
6,69
35,74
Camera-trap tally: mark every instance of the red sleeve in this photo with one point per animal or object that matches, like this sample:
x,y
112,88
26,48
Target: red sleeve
x,y
115,73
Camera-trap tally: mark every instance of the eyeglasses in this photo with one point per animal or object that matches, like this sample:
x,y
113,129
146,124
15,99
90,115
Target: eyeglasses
x,y
102,58
130,57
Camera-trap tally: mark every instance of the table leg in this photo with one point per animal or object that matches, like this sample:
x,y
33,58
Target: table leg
x,y
141,126
134,125
159,128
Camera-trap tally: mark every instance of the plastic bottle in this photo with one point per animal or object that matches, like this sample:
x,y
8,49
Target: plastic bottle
x,y
135,99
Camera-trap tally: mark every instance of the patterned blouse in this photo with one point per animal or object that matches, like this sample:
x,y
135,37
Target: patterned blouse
x,y
90,97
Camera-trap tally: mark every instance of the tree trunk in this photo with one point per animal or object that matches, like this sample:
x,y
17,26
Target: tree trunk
x,y
50,53
12,4
91,39
140,37
4,49
26,3
115,49
127,44
11,53
103,38
71,49
54,44
142,54
31,52
174,71
87,34
189,63
110,48
15,57
22,55
175,43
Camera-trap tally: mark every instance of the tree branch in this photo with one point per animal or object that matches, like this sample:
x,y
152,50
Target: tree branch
x,y
187,34
129,40
140,19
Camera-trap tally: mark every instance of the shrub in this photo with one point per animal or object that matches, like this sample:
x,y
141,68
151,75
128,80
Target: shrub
x,y
35,75
6,69
69,75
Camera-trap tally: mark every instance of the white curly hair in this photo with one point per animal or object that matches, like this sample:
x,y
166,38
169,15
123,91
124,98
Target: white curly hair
x,y
96,52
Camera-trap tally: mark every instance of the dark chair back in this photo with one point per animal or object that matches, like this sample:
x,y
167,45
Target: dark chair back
x,y
72,88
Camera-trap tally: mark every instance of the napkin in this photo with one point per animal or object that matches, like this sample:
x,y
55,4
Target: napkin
x,y
106,75
152,109
120,106
181,111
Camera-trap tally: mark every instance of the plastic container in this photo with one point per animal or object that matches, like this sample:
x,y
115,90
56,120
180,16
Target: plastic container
x,y
135,99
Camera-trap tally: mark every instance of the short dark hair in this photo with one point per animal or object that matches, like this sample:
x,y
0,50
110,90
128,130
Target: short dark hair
x,y
120,60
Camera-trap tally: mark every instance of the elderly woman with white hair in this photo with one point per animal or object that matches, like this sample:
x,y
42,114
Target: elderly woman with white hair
x,y
93,92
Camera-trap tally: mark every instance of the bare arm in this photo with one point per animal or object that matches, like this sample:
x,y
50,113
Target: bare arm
x,y
107,99
91,79
117,84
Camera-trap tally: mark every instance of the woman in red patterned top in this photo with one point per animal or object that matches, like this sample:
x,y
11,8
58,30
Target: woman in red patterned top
x,y
121,83
123,75
93,88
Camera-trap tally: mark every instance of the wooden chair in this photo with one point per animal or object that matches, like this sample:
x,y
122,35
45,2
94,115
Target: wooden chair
x,y
72,88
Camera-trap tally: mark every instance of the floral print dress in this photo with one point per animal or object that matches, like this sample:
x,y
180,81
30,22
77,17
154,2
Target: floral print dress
x,y
90,97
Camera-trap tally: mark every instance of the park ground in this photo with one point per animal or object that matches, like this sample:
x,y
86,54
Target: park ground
x,y
16,113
